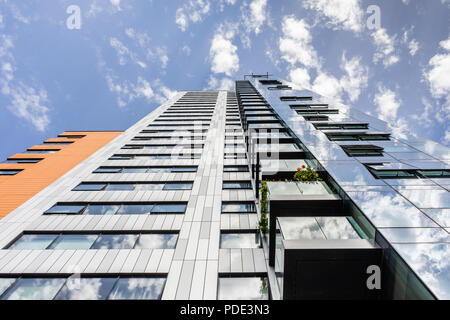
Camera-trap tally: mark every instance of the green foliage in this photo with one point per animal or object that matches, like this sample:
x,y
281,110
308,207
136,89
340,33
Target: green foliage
x,y
263,224
306,174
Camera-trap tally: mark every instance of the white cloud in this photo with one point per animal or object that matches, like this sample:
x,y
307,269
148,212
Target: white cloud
x,y
124,53
295,44
116,4
300,77
223,53
187,50
160,53
446,139
388,105
355,79
413,47
327,85
222,3
437,76
385,48
128,91
253,17
220,84
25,101
193,11
341,14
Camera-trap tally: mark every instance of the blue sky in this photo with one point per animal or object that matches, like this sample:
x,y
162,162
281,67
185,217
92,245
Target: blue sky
x,y
129,56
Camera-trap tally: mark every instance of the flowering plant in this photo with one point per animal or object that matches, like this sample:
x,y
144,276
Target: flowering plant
x,y
306,174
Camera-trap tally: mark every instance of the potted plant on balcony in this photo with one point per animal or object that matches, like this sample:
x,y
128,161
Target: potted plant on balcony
x,y
309,181
306,174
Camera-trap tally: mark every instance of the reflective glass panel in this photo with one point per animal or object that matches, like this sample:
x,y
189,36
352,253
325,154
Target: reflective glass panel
x,y
115,241
66,209
135,209
120,187
99,209
169,208
138,289
156,241
243,289
74,242
86,289
33,242
35,289
89,187
238,207
5,283
178,186
240,240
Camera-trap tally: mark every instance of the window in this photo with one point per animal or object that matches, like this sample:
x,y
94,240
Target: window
x,y
237,185
58,142
235,169
117,208
343,136
341,126
108,170
235,156
74,241
294,98
135,209
34,289
240,240
434,173
120,187
243,288
238,207
270,82
115,241
177,186
33,242
5,283
138,289
84,288
363,150
133,186
99,209
23,160
157,241
9,172
144,169
69,241
89,187
41,151
65,209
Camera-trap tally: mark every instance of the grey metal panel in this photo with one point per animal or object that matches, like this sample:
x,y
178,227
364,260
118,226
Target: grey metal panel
x,y
131,261
72,265
170,289
15,261
198,280
247,260
61,261
236,260
259,260
119,261
202,249
45,266
154,261
185,280
107,261
95,261
142,261
34,265
210,287
224,260
180,250
166,260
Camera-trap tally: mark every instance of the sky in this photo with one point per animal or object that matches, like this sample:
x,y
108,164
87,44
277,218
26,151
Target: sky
x,y
104,64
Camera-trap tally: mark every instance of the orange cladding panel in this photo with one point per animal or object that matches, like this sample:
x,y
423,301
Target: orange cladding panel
x,y
16,190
